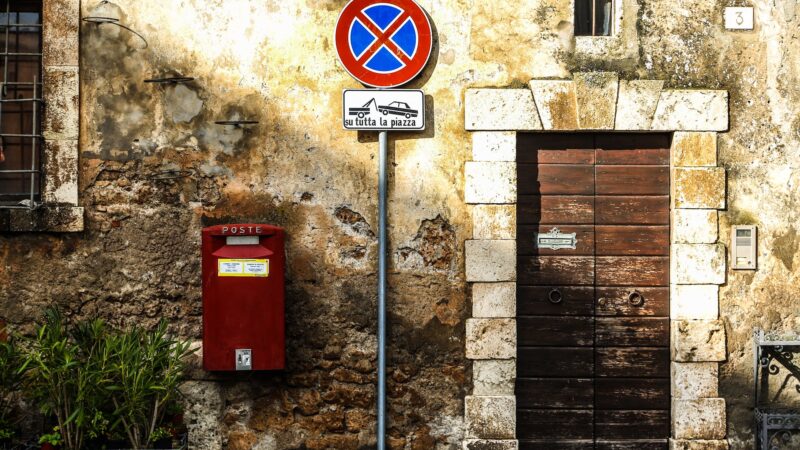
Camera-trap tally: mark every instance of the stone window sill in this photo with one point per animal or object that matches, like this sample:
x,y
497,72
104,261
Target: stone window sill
x,y
596,45
47,218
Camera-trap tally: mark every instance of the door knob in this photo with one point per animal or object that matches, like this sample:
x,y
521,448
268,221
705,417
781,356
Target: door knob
x,y
635,298
555,297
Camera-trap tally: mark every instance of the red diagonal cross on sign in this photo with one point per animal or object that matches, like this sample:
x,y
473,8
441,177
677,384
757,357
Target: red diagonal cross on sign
x,y
383,38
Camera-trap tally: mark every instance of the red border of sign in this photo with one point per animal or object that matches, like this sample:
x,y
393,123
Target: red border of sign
x,y
384,80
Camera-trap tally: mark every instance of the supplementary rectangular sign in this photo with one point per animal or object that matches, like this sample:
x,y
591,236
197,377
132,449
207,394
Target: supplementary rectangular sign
x,y
243,268
373,109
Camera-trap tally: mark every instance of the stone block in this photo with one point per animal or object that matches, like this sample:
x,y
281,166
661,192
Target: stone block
x,y
494,222
490,444
684,444
695,380
694,149
691,110
494,300
698,264
695,226
491,417
490,261
698,341
557,103
61,32
494,376
596,95
698,419
491,339
501,109
61,172
637,104
203,403
494,146
61,111
694,302
699,188
490,182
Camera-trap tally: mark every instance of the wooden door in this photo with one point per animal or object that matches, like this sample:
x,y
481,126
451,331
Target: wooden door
x,y
593,321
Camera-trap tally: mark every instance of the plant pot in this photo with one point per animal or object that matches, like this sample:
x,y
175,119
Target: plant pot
x,y
116,444
163,443
48,447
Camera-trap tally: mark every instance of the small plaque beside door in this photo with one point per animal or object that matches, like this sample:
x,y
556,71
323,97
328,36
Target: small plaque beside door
x,y
556,240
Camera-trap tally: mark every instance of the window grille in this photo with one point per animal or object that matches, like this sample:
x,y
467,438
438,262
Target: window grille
x,y
593,17
20,104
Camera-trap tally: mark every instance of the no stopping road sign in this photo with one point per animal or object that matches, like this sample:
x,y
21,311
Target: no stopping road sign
x,y
383,43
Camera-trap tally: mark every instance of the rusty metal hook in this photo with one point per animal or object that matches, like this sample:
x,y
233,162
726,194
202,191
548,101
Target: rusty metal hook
x,y
100,20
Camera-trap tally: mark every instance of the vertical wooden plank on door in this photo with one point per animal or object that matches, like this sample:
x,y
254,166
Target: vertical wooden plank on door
x,y
555,294
632,386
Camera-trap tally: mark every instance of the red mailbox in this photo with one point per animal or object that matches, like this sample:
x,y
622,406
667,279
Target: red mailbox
x,y
243,298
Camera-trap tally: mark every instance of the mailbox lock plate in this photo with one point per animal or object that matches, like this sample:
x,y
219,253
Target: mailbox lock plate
x,y
244,359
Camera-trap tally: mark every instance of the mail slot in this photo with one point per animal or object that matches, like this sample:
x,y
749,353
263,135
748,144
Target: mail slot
x,y
243,298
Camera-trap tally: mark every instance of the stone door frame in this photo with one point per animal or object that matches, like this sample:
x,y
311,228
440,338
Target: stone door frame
x,y
597,101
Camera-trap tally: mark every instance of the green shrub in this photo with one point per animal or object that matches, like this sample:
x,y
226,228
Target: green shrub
x,y
145,369
99,382
66,374
11,378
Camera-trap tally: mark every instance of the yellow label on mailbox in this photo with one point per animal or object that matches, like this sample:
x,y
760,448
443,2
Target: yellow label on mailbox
x,y
243,268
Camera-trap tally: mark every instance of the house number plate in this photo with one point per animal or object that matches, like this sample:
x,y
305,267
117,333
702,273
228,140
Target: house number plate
x,y
556,240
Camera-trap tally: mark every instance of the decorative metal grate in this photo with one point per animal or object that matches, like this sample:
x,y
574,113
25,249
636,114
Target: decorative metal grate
x,y
777,425
20,104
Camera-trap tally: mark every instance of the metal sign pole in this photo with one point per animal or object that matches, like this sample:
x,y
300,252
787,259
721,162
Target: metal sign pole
x,y
383,155
382,138
360,31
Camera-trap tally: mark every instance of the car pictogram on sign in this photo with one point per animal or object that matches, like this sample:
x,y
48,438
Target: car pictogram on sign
x,y
398,109
394,108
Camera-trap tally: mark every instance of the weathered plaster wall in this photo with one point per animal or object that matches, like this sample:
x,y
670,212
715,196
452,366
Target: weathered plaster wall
x,y
155,169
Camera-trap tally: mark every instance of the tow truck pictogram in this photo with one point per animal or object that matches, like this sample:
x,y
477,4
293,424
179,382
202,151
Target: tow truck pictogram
x,y
393,108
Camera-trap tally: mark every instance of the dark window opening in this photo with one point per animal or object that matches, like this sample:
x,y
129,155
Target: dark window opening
x,y
20,102
593,17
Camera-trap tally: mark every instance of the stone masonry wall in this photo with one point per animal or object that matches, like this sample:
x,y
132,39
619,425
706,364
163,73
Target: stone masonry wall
x,y
155,169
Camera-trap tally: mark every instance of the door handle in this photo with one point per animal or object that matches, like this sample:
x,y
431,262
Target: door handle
x,y
635,298
555,296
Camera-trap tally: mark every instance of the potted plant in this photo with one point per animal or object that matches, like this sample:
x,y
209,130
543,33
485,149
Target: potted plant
x,y
51,441
66,369
145,369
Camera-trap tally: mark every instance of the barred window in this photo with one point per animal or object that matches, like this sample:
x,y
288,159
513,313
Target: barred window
x,y
593,17
20,103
